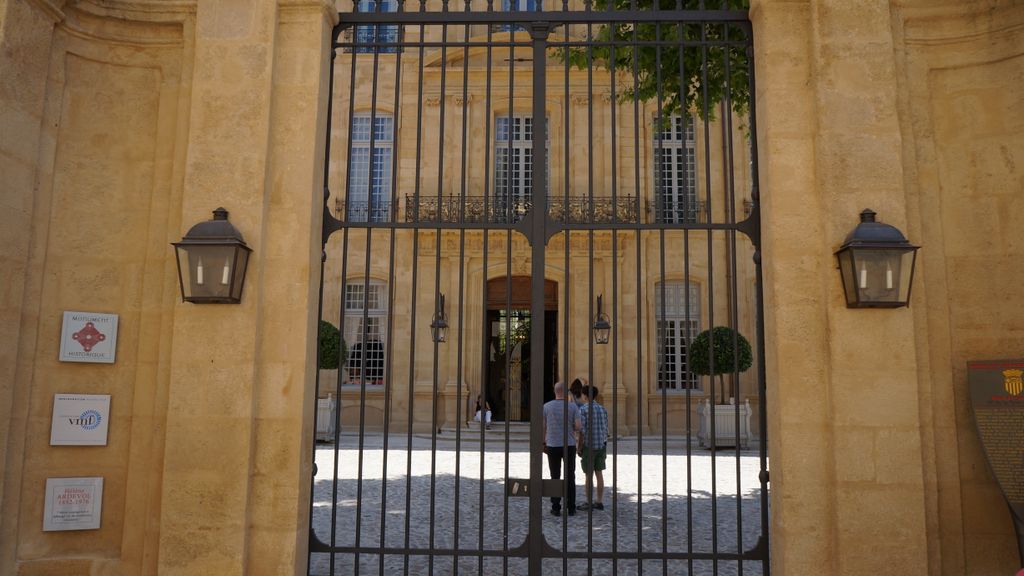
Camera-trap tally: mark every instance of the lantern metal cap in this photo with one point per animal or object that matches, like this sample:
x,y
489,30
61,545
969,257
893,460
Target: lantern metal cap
x,y
216,231
870,233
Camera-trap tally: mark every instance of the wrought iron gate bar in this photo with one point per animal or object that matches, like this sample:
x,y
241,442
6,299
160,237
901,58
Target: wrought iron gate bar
x,y
553,18
677,255
320,547
381,46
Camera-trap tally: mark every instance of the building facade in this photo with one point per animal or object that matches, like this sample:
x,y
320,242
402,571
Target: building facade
x,y
125,122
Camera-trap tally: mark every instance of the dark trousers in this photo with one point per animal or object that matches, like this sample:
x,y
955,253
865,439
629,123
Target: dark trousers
x,y
555,456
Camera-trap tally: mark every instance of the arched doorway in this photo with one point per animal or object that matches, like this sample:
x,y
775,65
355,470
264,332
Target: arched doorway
x,y
507,388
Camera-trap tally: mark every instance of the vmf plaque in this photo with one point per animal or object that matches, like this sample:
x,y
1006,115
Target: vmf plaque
x,y
997,399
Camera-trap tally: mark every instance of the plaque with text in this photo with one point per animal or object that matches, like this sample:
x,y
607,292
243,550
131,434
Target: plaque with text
x,y
73,504
997,399
80,420
88,337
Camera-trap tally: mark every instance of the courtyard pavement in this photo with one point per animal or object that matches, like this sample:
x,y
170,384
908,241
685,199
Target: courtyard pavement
x,y
719,490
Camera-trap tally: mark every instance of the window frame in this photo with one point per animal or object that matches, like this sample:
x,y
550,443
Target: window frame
x,y
685,318
370,170
358,336
677,202
371,33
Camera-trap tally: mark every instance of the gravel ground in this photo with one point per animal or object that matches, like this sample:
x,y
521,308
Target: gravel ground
x,y
643,502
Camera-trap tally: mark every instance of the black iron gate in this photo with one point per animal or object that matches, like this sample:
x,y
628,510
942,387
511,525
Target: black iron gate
x,y
517,194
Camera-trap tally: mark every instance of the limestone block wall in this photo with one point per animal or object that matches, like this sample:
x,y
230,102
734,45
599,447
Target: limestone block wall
x,y
961,68
908,108
124,123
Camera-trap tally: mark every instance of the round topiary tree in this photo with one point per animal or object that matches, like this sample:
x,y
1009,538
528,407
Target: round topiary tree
x,y
727,357
332,347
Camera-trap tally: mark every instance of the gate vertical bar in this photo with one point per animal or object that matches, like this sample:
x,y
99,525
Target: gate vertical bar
x,y
538,239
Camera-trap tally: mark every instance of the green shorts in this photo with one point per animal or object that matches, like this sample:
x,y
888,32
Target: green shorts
x,y
595,456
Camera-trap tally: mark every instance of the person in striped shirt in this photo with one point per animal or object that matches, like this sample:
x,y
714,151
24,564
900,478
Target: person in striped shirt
x,y
593,447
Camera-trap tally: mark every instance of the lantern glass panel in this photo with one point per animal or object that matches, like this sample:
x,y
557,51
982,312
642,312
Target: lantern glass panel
x,y
877,277
241,262
210,272
846,269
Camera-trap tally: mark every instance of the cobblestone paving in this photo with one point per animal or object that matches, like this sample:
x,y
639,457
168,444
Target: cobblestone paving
x,y
692,504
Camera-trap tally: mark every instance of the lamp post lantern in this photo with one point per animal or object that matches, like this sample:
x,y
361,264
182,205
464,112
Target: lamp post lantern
x,y
602,328
876,264
212,261
439,324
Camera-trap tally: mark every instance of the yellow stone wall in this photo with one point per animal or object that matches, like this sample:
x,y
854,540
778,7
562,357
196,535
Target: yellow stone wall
x,y
122,123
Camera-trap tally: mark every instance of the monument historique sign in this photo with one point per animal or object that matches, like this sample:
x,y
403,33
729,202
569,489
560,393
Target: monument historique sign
x,y
997,399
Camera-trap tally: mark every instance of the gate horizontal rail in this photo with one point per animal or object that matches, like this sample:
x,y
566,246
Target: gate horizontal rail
x,y
500,197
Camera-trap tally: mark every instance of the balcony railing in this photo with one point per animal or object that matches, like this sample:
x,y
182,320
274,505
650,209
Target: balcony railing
x,y
580,210
662,212
363,210
497,210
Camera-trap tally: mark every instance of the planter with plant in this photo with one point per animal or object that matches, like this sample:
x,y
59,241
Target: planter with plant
x,y
730,351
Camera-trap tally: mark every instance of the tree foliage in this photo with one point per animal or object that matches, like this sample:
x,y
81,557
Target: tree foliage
x,y
727,357
729,349
332,347
684,67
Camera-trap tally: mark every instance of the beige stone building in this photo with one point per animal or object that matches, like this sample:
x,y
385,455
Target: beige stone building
x,y
461,152
125,122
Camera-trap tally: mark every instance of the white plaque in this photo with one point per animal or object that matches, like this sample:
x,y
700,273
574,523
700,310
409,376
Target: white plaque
x,y
88,337
80,420
73,504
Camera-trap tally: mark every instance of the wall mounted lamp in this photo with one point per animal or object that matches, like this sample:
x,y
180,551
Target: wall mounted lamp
x,y
212,261
877,265
439,324
602,328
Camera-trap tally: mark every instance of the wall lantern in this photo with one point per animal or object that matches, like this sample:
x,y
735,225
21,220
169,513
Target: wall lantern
x,y
877,265
439,324
602,328
212,259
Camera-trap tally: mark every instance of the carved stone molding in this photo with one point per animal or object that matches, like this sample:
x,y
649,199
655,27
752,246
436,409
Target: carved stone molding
x,y
579,99
52,8
432,101
462,101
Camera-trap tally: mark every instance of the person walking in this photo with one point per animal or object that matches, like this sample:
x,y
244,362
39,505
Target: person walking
x,y
561,425
483,411
593,447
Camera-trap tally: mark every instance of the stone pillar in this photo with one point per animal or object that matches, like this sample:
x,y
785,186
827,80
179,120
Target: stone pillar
x,y
26,35
237,467
847,487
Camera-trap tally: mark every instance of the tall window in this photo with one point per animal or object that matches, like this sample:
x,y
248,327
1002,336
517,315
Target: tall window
x,y
369,196
675,171
368,34
519,6
366,313
676,329
513,166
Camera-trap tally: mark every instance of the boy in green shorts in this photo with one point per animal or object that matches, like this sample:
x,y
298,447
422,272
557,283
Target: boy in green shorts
x,y
593,446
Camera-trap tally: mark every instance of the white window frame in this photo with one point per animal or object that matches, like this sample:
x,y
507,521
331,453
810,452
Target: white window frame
x,y
360,337
672,322
675,180
371,33
366,185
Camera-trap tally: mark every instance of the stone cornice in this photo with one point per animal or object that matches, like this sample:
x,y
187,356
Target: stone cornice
x,y
52,8
330,11
129,25
943,25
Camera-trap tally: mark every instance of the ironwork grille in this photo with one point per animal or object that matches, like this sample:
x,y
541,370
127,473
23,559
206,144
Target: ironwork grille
x,y
472,257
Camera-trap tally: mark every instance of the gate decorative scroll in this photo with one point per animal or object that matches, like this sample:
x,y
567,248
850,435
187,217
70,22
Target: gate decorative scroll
x,y
447,201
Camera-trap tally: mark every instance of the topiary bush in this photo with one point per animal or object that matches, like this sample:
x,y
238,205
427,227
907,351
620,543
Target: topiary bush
x,y
728,359
332,347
